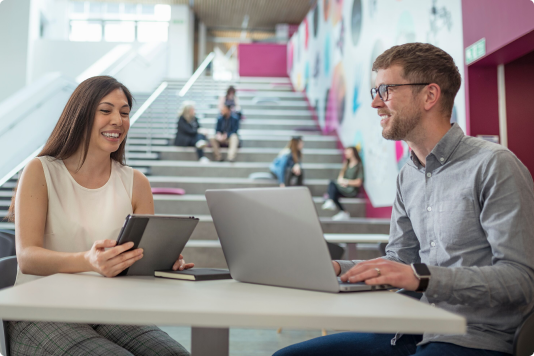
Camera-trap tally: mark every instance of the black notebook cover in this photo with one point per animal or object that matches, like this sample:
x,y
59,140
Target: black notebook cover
x,y
195,274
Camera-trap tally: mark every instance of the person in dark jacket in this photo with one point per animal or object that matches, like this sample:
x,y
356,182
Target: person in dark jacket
x,y
189,131
287,166
226,134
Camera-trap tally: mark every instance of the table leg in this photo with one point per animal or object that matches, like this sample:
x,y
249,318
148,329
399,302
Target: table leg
x,y
4,341
210,341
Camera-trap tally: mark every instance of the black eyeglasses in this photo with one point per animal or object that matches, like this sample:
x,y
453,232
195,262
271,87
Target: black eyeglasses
x,y
383,90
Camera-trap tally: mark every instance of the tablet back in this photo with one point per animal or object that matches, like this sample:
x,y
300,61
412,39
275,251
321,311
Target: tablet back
x,y
162,239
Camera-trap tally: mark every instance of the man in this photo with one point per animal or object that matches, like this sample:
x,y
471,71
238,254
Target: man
x,y
226,134
463,215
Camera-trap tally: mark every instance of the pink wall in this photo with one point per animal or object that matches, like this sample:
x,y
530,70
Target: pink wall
x,y
518,77
262,60
508,29
499,21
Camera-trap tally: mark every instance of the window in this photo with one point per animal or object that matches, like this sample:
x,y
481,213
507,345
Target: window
x,y
113,8
95,21
78,7
147,9
88,31
130,9
119,31
152,31
95,8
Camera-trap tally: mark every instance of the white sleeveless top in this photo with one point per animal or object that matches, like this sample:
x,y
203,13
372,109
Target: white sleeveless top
x,y
78,216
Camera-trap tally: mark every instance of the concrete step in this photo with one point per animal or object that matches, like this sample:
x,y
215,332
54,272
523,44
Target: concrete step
x,y
195,204
227,169
171,113
170,134
205,229
312,142
255,124
270,87
199,185
248,155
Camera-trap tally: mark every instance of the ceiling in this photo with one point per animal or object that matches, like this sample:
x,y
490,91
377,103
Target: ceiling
x,y
229,14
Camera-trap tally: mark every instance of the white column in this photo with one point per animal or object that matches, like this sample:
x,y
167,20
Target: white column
x,y
180,43
15,46
501,87
201,42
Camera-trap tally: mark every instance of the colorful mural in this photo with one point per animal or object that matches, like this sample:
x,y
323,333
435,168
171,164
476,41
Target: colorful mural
x,y
330,58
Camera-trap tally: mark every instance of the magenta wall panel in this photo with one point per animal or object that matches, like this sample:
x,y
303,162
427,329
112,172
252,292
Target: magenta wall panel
x,y
262,60
500,22
519,79
508,28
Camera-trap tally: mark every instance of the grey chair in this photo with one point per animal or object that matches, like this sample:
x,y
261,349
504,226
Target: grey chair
x,y
524,338
8,274
7,243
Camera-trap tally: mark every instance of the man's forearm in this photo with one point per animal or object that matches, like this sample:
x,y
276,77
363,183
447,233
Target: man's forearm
x,y
488,286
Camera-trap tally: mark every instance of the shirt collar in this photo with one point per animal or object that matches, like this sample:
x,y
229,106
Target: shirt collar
x,y
443,150
448,143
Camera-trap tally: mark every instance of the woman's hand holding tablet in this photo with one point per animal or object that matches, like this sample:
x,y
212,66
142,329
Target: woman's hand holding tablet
x,y
109,260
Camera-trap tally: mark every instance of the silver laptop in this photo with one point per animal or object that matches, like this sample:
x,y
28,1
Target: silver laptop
x,y
273,236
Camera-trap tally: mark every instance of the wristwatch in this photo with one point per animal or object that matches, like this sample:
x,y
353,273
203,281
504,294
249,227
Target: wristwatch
x,y
422,273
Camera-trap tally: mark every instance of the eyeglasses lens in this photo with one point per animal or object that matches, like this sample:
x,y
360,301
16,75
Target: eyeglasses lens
x,y
383,91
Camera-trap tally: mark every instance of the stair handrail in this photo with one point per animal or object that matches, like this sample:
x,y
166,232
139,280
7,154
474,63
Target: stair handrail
x,y
197,74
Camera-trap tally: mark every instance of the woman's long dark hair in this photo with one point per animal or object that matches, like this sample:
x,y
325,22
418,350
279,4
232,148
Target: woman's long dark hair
x,y
295,151
347,161
76,123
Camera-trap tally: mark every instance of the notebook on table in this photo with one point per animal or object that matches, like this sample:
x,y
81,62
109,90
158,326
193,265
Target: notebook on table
x,y
195,274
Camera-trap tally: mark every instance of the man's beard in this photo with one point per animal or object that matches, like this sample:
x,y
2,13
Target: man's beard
x,y
402,124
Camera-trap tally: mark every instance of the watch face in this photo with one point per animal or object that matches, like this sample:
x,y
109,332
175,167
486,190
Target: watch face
x,y
421,269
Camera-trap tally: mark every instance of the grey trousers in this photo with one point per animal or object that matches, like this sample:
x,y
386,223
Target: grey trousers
x,y
46,338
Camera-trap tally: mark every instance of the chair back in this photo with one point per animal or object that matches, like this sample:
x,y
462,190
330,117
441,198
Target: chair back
x,y
8,274
336,251
523,339
7,243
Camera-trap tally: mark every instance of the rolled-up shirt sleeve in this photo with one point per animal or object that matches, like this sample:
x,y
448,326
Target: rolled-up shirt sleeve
x,y
507,218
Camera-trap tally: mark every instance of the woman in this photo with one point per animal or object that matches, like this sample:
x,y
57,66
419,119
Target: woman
x,y
287,166
68,209
230,99
189,131
348,183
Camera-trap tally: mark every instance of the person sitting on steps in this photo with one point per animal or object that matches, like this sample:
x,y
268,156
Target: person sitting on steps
x,y
226,134
348,183
230,99
286,167
189,131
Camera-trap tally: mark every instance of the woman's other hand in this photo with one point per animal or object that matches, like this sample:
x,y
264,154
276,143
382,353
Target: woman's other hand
x,y
296,169
109,260
180,265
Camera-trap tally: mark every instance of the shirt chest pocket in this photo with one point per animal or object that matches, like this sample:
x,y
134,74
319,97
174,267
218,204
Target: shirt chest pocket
x,y
458,222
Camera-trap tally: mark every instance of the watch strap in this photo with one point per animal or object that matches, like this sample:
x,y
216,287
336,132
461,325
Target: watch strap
x,y
423,284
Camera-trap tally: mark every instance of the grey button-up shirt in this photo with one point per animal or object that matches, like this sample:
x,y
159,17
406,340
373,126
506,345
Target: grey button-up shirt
x,y
469,215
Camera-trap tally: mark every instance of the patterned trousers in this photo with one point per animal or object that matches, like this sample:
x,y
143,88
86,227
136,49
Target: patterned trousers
x,y
46,338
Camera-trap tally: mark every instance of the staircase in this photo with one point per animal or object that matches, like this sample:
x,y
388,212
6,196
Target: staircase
x,y
273,113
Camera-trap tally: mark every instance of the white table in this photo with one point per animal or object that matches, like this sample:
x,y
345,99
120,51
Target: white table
x,y
212,307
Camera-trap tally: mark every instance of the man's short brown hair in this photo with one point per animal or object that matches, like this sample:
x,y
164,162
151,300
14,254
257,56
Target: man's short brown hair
x,y
424,63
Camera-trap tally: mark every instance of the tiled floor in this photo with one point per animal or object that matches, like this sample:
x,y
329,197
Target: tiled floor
x,y
250,342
